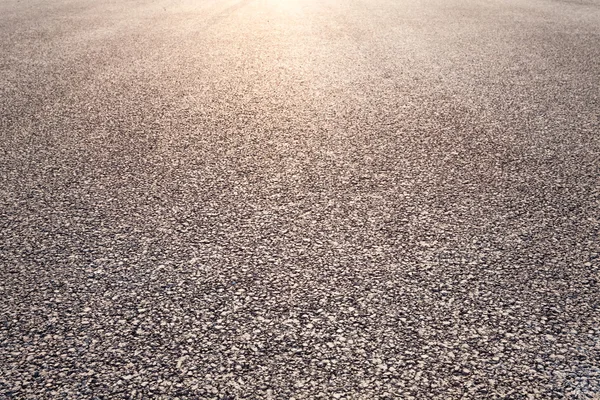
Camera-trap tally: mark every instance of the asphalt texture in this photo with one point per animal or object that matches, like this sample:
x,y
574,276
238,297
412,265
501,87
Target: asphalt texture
x,y
300,199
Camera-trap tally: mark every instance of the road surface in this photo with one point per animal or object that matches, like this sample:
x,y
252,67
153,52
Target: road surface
x,y
307,199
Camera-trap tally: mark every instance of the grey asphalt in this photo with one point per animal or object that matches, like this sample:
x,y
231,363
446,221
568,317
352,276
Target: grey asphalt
x,y
300,199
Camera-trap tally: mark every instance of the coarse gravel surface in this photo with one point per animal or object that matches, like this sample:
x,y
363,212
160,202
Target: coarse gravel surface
x,y
299,199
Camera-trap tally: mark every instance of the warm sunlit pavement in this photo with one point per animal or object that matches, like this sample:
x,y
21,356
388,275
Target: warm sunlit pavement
x,y
308,199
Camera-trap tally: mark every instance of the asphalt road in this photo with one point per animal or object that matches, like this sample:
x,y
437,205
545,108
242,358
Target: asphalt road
x,y
300,199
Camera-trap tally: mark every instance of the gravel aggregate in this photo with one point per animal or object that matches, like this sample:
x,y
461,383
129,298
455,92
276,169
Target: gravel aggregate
x,y
300,199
